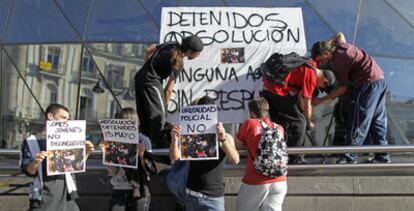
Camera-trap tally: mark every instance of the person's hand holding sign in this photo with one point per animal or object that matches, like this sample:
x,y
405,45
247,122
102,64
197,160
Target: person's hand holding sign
x,y
89,147
141,150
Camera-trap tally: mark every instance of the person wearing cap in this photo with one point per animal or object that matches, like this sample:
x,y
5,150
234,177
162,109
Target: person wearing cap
x,y
164,61
369,117
290,102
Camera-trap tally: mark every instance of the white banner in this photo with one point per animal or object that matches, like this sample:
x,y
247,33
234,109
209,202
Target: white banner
x,y
237,41
65,144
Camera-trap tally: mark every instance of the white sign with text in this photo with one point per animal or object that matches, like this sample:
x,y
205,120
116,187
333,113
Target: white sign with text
x,y
237,41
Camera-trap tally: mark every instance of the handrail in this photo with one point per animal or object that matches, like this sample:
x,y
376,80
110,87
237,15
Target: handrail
x,y
10,166
291,150
327,149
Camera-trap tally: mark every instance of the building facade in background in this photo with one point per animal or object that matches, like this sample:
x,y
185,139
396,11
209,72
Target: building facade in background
x,y
34,76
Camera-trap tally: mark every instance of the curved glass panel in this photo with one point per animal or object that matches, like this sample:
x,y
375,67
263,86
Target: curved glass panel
x,y
38,22
61,73
315,28
201,3
121,21
154,8
405,7
246,3
21,114
341,15
385,35
398,73
400,98
101,98
4,8
76,11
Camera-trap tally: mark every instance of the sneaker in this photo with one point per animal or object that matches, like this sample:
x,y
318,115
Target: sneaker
x,y
381,160
299,161
347,161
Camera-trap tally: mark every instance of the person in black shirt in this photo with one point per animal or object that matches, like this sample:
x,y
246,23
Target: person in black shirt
x,y
205,185
162,62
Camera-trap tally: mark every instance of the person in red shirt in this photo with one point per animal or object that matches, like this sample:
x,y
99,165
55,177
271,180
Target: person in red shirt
x,y
258,192
290,102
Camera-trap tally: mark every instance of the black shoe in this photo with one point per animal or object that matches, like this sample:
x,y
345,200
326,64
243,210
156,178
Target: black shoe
x,y
347,161
381,160
299,161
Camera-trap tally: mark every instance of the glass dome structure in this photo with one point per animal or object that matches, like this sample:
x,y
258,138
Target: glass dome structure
x,y
61,50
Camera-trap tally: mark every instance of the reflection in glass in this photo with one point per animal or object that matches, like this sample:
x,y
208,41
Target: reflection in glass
x,y
51,73
33,76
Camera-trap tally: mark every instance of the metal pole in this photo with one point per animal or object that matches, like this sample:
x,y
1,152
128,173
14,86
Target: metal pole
x,y
79,83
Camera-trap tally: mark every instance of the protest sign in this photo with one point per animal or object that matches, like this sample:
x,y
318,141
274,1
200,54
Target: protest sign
x,y
198,140
65,145
237,41
120,140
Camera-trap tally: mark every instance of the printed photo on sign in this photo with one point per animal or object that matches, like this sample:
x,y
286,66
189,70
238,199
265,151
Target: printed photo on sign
x,y
65,145
232,55
198,146
198,140
66,160
120,154
120,141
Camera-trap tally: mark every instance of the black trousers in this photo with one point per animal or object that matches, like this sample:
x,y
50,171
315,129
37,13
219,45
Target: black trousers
x,y
285,111
123,200
152,113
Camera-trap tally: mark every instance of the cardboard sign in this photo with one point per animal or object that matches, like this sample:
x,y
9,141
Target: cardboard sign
x,y
65,144
198,140
121,137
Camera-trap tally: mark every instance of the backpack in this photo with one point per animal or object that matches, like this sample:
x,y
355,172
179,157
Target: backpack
x,y
278,66
271,156
177,179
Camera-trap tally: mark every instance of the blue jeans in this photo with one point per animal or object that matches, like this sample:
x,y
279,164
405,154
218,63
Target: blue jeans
x,y
369,117
204,203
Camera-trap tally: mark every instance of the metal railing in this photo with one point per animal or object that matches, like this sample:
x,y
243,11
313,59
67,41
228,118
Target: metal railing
x,y
13,155
291,150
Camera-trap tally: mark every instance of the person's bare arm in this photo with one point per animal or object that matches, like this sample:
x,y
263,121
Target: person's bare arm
x,y
334,94
307,110
141,151
337,38
227,144
149,51
89,148
168,90
174,149
32,167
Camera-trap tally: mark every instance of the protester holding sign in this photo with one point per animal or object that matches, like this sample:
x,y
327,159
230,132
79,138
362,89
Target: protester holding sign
x,y
131,186
65,144
369,116
49,192
258,191
198,140
205,185
290,101
164,61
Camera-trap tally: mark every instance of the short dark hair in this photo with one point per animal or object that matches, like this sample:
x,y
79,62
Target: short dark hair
x,y
205,100
259,106
125,112
321,47
53,108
